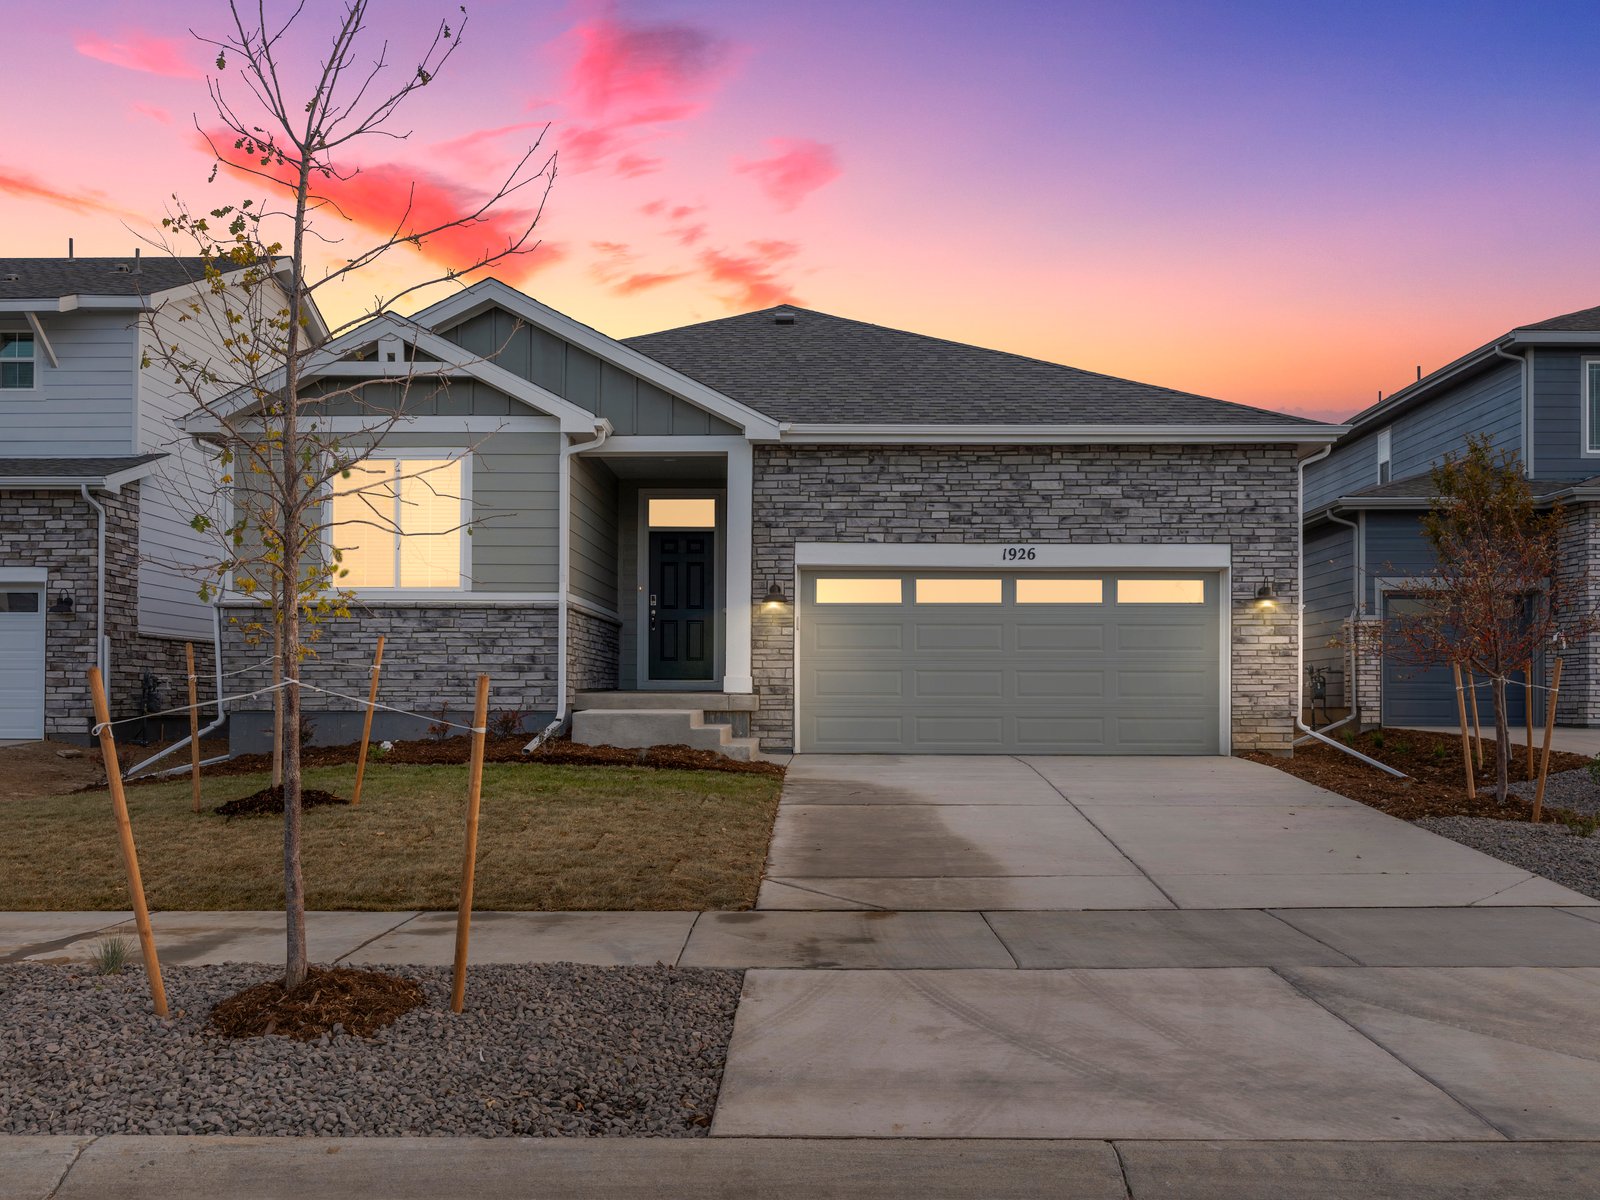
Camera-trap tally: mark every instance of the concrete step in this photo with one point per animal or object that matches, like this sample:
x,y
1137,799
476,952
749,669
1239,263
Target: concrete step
x,y
638,728
682,701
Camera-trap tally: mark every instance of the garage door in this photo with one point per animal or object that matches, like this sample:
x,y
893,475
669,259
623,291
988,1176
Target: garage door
x,y
1047,663
21,662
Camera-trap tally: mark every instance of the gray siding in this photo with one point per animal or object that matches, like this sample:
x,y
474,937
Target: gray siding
x,y
1330,582
594,532
1558,415
633,406
85,406
1395,547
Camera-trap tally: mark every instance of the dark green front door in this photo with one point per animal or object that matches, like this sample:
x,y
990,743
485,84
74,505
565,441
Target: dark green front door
x,y
682,625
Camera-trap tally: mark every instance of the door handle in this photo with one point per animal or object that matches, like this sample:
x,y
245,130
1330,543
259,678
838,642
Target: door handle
x,y
652,612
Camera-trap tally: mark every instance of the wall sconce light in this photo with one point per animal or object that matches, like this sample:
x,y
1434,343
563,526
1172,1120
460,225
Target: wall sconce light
x,y
1267,595
775,599
63,602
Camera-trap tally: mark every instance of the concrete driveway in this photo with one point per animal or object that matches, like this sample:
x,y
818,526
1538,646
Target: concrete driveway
x,y
993,832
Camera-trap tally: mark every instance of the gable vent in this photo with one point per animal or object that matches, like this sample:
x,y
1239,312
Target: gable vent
x,y
783,317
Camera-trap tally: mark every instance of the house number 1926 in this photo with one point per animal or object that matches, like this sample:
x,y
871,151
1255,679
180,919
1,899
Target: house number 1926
x,y
1018,554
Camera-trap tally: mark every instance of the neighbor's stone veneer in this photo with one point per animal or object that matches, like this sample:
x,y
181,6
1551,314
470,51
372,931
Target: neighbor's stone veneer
x,y
1243,495
1579,702
59,531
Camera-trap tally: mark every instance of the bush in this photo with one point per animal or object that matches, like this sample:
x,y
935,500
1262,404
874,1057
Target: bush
x,y
111,955
507,723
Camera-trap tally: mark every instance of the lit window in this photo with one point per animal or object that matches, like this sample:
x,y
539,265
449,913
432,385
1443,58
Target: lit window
x,y
958,591
1385,455
858,591
1060,591
1161,591
398,523
16,361
685,513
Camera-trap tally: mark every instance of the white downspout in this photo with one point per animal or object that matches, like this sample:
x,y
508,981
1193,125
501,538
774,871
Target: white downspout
x,y
1355,615
216,659
602,431
1300,640
101,656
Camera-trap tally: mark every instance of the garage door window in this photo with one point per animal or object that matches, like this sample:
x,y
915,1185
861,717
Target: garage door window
x,y
1161,591
19,602
858,591
958,591
1060,591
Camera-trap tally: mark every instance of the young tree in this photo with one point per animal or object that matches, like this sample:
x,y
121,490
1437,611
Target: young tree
x,y
297,121
1495,599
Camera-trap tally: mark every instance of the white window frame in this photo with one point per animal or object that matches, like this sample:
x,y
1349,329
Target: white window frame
x,y
1385,456
404,454
1588,448
32,359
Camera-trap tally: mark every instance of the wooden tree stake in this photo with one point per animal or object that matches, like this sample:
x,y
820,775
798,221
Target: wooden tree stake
x,y
1549,728
1466,745
1477,729
130,855
194,728
1527,704
366,725
277,721
480,721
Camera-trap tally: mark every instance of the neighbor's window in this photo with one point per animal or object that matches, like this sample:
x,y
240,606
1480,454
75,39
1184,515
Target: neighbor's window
x,y
683,513
958,591
1161,591
1059,591
858,591
399,523
1591,403
16,360
1385,455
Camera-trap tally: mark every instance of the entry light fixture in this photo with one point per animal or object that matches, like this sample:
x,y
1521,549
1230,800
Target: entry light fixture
x,y
775,599
1267,595
63,602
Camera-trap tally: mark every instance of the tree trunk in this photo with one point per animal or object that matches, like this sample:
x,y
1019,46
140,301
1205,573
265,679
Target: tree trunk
x,y
1502,740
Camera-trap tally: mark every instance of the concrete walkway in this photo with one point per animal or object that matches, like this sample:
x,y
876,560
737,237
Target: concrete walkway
x,y
1570,739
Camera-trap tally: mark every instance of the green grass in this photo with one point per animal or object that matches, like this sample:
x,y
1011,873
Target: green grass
x,y
550,837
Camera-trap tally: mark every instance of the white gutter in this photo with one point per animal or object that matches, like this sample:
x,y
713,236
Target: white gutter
x,y
1300,640
102,657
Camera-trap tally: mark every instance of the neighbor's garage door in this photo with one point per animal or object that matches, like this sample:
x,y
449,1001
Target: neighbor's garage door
x,y
941,663
21,662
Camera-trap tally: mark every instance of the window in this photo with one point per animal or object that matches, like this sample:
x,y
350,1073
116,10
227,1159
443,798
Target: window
x,y
1060,591
683,513
1591,406
858,591
1385,455
1161,591
399,523
958,591
16,360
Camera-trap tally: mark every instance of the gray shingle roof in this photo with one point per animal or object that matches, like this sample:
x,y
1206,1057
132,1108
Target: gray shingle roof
x,y
824,368
1420,487
1585,320
49,278
87,469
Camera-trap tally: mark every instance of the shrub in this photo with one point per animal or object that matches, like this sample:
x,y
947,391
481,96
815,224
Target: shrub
x,y
1377,739
1440,752
441,728
507,723
1402,747
111,955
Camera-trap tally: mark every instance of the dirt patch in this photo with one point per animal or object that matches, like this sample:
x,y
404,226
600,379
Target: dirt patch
x,y
268,802
46,769
359,1002
1436,786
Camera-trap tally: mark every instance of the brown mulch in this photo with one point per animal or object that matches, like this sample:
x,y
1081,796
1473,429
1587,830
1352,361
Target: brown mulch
x,y
1436,785
268,802
360,1002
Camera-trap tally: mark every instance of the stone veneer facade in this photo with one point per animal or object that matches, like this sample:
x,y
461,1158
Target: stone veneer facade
x,y
432,656
1579,702
59,531
594,651
1243,495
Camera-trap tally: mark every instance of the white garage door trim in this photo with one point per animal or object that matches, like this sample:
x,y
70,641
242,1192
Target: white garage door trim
x,y
1026,556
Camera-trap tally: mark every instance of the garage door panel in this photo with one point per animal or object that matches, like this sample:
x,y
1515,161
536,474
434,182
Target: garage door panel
x,y
989,685
859,730
866,634
1171,683
879,685
1085,733
1064,684
956,729
1167,734
1162,637
1034,635
952,635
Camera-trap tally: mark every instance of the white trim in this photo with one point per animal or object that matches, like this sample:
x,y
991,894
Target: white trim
x,y
519,424
419,598
487,293
66,304
113,482
838,433
1048,556
641,656
10,575
1528,420
32,360
739,588
682,447
1587,447
594,610
43,339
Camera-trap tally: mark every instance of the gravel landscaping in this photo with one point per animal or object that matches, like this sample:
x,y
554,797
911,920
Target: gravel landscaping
x,y
1554,851
1575,790
547,1050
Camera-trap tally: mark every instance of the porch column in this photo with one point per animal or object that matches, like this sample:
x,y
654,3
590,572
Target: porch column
x,y
741,520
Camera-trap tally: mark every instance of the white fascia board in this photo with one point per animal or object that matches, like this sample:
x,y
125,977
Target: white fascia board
x,y
1048,556
24,575
44,338
112,482
492,292
1070,435
63,304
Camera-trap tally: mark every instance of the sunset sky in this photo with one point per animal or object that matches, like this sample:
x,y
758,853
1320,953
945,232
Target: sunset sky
x,y
1286,205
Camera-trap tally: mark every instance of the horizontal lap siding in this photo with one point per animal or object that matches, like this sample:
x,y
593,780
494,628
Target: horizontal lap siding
x,y
1558,415
85,406
594,532
1330,583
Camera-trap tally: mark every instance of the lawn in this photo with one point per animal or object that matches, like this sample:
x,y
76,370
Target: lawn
x,y
550,837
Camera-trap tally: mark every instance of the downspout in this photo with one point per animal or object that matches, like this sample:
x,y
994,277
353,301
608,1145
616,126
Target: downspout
x,y
1355,615
602,431
101,658
1300,640
1527,405
216,659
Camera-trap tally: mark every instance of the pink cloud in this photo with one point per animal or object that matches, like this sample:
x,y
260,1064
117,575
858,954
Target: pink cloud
x,y
795,168
139,51
753,277
645,280
154,112
477,148
631,166
688,235
26,187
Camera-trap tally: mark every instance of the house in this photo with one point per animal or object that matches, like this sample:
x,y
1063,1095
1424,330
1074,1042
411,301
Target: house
x,y
1535,390
786,529
97,556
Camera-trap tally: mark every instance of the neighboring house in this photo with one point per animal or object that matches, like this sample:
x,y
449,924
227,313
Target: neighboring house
x,y
97,483
794,530
1534,390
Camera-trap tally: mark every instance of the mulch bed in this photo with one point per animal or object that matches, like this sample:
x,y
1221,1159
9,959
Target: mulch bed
x,y
268,802
356,1002
1436,787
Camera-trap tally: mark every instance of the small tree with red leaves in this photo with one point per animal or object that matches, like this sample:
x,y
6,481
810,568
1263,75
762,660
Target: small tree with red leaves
x,y
1495,598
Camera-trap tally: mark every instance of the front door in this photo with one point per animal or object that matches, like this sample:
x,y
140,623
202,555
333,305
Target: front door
x,y
682,597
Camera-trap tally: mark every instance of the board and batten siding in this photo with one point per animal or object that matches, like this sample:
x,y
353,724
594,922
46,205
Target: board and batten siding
x,y
85,406
633,406
594,532
1330,568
